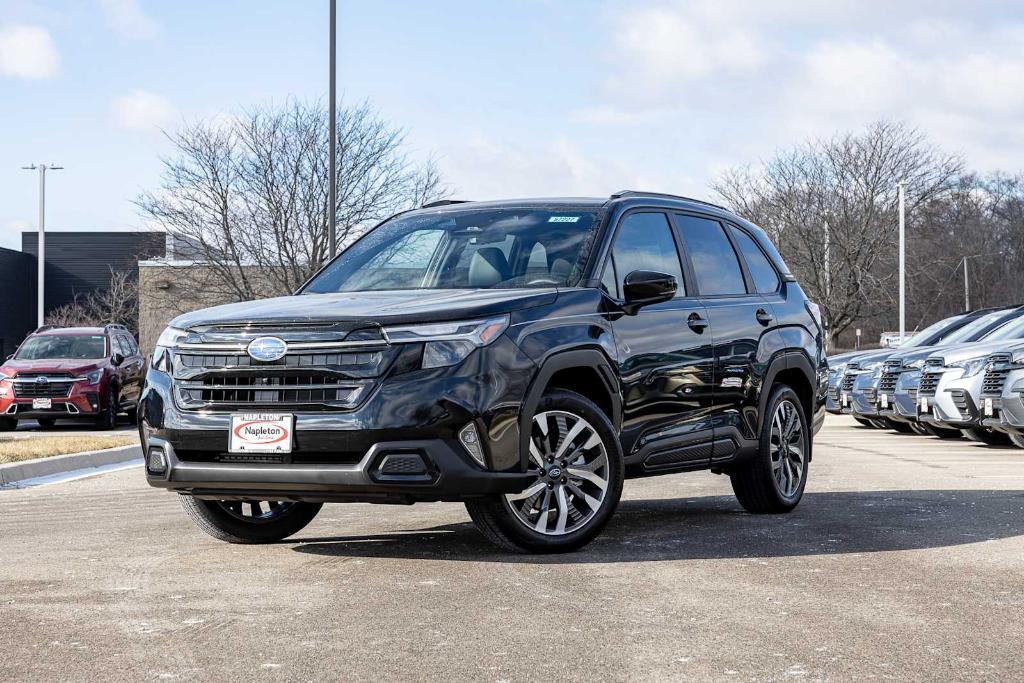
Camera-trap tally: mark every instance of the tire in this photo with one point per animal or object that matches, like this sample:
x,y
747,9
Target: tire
x,y
765,484
582,505
7,424
918,428
897,426
46,422
880,424
987,436
1017,439
941,432
108,418
864,422
226,520
133,415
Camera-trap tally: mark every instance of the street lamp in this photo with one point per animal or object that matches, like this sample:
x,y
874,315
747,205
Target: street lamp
x,y
332,143
40,260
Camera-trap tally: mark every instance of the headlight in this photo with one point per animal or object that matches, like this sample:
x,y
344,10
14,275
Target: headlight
x,y
94,377
972,366
837,369
162,353
915,364
1018,357
448,343
874,367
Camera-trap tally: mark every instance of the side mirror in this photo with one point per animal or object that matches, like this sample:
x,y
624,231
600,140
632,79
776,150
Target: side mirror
x,y
645,287
117,358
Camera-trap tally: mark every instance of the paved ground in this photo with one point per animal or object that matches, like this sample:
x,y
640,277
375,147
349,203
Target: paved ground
x,y
905,561
31,428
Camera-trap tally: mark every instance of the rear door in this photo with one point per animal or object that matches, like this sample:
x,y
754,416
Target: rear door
x,y
739,318
664,352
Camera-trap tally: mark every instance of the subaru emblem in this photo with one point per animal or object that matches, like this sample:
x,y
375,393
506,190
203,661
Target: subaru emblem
x,y
267,349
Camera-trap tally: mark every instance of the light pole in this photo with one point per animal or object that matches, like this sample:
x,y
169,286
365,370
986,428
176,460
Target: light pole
x,y
332,134
903,266
967,288
41,258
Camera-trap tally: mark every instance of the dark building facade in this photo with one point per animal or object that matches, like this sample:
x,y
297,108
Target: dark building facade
x,y
77,262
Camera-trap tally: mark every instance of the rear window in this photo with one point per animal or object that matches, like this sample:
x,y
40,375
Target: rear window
x,y
57,347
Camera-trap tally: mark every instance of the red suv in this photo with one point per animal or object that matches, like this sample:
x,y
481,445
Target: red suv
x,y
89,373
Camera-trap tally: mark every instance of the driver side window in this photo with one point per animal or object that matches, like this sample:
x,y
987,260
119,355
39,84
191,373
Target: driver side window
x,y
644,241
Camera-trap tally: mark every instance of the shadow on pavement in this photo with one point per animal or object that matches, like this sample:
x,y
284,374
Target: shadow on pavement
x,y
717,528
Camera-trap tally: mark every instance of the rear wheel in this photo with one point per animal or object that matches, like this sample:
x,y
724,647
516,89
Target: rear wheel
x,y
774,480
8,424
245,521
576,463
987,436
942,432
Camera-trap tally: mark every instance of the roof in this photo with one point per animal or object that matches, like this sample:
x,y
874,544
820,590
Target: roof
x,y
622,197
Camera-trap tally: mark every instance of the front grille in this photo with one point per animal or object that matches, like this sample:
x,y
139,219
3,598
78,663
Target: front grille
x,y
890,376
996,375
43,385
327,366
960,400
262,389
870,395
929,383
848,380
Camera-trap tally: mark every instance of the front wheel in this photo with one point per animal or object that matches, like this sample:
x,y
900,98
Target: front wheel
x,y
7,424
987,436
249,521
897,426
108,418
577,469
1017,439
774,480
942,432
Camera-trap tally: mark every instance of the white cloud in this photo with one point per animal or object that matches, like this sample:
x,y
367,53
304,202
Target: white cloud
x,y
143,111
128,19
27,52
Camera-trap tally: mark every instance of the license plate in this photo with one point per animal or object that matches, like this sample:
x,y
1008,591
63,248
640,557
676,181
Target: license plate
x,y
885,401
989,408
924,404
261,433
846,401
42,403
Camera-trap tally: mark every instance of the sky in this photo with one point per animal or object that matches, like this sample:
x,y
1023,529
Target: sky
x,y
513,99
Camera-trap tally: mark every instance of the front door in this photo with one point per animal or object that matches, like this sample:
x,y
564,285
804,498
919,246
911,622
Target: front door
x,y
664,353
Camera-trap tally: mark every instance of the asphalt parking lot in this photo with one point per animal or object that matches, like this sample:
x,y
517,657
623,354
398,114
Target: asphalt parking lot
x,y
904,561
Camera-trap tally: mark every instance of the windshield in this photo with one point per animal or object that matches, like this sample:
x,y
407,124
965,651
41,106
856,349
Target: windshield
x,y
1011,330
59,347
480,249
924,336
976,329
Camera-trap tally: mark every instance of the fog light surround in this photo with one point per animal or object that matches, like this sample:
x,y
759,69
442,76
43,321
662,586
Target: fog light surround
x,y
156,460
469,437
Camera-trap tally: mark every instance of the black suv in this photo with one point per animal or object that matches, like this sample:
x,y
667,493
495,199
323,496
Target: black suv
x,y
523,357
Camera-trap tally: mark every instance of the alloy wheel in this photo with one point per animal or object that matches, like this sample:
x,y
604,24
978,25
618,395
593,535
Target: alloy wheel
x,y
571,466
256,511
787,448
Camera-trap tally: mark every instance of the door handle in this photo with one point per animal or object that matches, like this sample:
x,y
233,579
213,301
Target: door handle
x,y
697,323
764,317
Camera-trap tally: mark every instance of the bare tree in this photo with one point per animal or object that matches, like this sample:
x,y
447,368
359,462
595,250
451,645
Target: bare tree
x,y
830,205
249,195
119,303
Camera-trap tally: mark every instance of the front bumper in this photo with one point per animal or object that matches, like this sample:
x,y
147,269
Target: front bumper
x,y
955,402
864,397
1008,408
83,401
340,455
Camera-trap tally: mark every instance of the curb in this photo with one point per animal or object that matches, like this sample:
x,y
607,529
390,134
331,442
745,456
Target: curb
x,y
58,464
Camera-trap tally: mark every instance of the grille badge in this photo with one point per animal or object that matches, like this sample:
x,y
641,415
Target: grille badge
x,y
267,348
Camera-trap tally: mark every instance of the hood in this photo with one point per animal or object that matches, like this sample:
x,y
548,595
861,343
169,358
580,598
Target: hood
x,y
73,366
873,356
845,357
405,306
962,352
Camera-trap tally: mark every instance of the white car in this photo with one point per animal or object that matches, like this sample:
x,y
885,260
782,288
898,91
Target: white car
x,y
1002,394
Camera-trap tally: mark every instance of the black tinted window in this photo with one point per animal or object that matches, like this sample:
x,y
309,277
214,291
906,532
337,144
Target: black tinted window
x,y
644,242
714,260
765,278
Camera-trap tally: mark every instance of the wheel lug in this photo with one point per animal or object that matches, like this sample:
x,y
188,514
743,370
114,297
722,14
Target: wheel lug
x,y
564,479
551,486
551,458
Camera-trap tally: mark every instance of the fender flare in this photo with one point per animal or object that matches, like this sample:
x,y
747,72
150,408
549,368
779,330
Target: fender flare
x,y
787,360
564,360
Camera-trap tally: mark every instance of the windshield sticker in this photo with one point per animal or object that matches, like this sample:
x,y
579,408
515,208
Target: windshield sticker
x,y
563,219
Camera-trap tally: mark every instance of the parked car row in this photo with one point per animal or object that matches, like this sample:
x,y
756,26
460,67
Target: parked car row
x,y
962,376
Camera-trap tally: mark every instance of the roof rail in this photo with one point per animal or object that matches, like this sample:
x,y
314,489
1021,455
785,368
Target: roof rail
x,y
444,202
664,195
43,328
115,326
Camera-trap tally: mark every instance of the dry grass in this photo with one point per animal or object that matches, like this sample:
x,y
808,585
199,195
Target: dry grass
x,y
16,449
